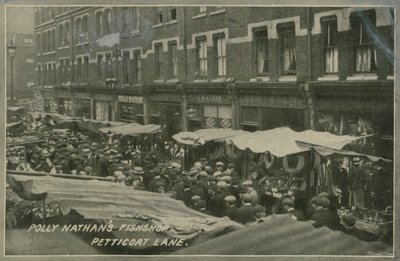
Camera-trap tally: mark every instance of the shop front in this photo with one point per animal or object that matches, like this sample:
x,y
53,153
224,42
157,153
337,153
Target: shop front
x,y
264,112
130,109
165,109
205,111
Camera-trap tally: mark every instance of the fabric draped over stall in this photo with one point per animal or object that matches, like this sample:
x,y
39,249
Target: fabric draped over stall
x,y
133,129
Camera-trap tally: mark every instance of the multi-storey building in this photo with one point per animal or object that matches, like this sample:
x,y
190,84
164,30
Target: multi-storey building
x,y
252,68
23,66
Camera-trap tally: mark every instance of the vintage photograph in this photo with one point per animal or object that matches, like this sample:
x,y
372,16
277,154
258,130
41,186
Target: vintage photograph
x,y
199,130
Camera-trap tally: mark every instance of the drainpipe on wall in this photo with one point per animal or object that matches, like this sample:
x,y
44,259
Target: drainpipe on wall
x,y
309,94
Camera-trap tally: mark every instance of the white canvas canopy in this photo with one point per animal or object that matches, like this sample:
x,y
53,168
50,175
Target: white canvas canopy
x,y
200,137
284,141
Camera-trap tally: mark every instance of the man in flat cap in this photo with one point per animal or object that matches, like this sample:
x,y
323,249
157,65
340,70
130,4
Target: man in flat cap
x,y
321,214
288,206
247,213
348,221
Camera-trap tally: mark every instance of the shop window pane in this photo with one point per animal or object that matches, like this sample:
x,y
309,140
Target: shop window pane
x,y
210,111
225,112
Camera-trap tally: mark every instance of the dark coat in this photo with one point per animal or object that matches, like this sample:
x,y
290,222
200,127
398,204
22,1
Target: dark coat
x,y
246,214
216,205
297,214
324,217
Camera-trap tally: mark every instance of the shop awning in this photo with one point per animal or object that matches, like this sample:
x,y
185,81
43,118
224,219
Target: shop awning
x,y
324,151
282,235
133,129
282,141
103,201
23,140
202,136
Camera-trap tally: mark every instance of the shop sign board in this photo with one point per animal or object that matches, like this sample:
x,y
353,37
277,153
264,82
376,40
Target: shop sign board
x,y
208,99
273,101
130,99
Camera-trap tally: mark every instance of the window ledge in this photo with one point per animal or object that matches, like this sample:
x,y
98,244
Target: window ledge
x,y
157,25
200,15
172,80
218,11
328,78
362,77
287,79
171,22
260,79
390,77
63,47
219,79
159,80
200,80
134,33
125,35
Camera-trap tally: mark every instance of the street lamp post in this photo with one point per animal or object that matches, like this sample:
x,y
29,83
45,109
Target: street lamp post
x,y
11,52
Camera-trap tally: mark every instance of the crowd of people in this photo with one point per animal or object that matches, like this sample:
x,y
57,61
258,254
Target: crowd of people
x,y
214,188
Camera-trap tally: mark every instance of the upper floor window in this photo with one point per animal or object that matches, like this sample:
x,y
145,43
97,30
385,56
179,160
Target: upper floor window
x,y
107,22
173,52
287,49
202,9
125,67
220,50
38,43
100,66
99,24
60,35
364,58
202,57
159,16
172,13
137,66
261,51
158,60
135,16
330,38
67,34
124,20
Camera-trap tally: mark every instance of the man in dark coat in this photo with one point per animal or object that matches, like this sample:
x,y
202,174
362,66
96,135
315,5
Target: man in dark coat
x,y
216,204
357,183
247,212
288,206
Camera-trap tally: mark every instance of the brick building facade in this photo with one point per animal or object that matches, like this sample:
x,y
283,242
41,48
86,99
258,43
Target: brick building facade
x,y
252,68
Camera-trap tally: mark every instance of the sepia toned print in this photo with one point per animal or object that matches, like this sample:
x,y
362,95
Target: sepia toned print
x,y
200,130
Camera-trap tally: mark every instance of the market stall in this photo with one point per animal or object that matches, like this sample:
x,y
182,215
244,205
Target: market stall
x,y
74,201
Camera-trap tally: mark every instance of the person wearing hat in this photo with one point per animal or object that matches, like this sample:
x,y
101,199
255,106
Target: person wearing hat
x,y
249,185
104,166
231,210
288,208
203,162
209,169
216,204
357,184
89,171
247,212
348,222
321,214
186,195
220,166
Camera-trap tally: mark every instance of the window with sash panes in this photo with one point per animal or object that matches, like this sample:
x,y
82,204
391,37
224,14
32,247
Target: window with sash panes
x,y
202,57
67,34
261,51
220,46
364,56
99,24
124,20
61,35
331,51
287,49
108,65
78,28
173,74
100,66
158,19
79,70
125,67
137,66
39,73
107,22
158,61
85,29
85,69
172,13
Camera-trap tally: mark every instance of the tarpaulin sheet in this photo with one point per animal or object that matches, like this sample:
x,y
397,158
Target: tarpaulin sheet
x,y
282,141
200,137
17,141
328,152
133,129
282,235
101,200
95,125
